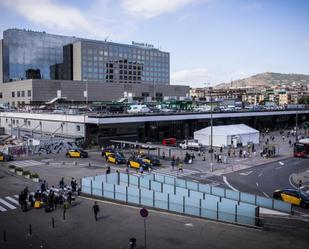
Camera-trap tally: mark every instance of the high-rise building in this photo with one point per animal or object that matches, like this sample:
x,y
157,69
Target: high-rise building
x,y
28,54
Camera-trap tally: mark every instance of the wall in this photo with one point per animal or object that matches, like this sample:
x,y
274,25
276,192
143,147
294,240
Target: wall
x,y
77,60
1,61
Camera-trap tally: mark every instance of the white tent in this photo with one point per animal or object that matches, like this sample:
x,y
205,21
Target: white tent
x,y
225,135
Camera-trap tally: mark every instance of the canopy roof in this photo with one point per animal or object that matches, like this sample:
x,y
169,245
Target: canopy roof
x,y
237,129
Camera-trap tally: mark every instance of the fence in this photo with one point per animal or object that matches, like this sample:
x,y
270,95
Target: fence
x,y
221,192
146,192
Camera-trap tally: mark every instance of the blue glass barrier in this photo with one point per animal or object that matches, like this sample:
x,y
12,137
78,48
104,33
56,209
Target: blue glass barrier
x,y
97,188
245,197
246,214
176,203
212,198
147,197
133,195
182,191
204,188
133,180
192,206
144,183
112,178
169,189
218,191
124,178
192,185
159,178
209,209
180,183
232,202
86,185
230,194
108,190
196,194
161,200
227,211
282,206
100,178
264,202
169,180
156,186
120,193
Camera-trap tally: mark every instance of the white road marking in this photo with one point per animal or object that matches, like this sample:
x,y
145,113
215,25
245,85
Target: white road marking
x,y
260,174
266,194
257,184
291,183
246,173
278,167
228,184
26,163
281,163
2,209
16,196
189,224
7,204
12,200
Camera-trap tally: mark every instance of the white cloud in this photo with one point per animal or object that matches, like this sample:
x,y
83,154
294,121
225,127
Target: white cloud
x,y
54,16
197,77
151,8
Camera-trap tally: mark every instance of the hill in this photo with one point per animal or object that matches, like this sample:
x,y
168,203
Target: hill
x,y
267,80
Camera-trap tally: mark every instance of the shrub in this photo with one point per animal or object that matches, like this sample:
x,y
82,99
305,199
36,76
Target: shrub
x,y
12,166
34,175
18,169
26,173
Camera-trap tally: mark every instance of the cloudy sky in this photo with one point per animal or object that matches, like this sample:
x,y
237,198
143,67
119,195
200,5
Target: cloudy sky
x,y
209,40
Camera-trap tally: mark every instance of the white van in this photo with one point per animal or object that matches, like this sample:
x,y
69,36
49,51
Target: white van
x,y
138,109
190,145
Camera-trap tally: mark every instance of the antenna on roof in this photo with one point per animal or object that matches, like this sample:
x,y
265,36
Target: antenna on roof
x,y
106,38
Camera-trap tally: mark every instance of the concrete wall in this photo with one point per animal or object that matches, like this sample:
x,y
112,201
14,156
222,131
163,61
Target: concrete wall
x,y
1,61
77,61
8,88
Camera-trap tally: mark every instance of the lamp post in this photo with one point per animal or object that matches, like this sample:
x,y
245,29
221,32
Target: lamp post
x,y
211,128
296,121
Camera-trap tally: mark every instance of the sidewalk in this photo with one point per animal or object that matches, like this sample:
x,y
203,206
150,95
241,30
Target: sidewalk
x,y
302,176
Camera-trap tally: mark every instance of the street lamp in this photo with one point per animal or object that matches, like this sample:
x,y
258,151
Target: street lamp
x,y
296,121
211,128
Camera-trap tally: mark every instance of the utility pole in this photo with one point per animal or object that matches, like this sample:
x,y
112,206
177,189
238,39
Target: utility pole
x,y
211,126
296,121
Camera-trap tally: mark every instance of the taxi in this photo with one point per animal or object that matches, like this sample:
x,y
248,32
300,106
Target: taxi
x,y
116,158
137,163
293,196
77,153
5,157
106,152
152,160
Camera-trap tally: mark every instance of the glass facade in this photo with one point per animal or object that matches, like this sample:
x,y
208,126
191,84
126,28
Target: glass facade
x,y
30,54
120,63
38,55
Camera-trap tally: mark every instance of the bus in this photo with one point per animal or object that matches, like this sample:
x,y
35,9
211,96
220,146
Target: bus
x,y
301,149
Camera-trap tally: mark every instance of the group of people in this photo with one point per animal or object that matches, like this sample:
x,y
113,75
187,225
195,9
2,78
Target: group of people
x,y
49,198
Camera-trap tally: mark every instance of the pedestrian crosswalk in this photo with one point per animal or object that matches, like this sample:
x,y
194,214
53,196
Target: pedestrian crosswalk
x,y
8,203
175,172
26,163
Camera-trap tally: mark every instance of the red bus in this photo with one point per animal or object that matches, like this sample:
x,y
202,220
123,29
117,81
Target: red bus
x,y
301,149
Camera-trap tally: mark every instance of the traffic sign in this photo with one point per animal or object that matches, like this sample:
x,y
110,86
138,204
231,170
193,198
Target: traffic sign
x,y
143,212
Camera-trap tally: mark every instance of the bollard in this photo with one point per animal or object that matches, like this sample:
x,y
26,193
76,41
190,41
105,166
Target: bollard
x,y
30,229
53,222
89,164
47,163
64,210
4,236
75,163
63,163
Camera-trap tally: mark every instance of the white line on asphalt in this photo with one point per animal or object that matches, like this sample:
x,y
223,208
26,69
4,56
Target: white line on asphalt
x,y
257,184
7,204
278,167
281,163
260,174
291,183
266,194
2,209
228,184
12,200
16,196
246,173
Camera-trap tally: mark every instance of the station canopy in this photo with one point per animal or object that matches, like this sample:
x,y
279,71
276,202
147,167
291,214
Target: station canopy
x,y
228,135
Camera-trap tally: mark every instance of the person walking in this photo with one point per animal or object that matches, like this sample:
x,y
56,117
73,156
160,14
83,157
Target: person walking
x,y
95,209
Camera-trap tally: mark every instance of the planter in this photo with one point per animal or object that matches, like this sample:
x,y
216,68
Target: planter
x,y
12,170
27,176
19,173
35,179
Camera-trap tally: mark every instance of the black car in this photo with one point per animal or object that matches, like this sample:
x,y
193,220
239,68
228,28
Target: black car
x,y
152,160
293,196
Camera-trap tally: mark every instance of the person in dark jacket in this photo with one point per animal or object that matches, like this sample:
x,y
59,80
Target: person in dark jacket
x,y
95,209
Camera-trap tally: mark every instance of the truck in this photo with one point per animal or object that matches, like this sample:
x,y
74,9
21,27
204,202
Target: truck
x,y
190,145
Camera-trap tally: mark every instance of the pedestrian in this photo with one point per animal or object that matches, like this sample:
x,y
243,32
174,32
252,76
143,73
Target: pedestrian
x,y
95,209
221,149
108,170
43,186
163,155
300,183
61,183
173,164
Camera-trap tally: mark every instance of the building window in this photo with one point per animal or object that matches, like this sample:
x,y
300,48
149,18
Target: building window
x,y
13,94
23,93
29,93
78,127
6,120
29,123
18,93
0,95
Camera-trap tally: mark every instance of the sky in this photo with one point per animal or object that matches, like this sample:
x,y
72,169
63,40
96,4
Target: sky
x,y
210,41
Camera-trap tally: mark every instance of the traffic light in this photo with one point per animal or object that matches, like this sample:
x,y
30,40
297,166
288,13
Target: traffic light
x,y
132,243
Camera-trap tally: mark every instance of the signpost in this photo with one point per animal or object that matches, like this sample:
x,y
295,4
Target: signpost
x,y
144,213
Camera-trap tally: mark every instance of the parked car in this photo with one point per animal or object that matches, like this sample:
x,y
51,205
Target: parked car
x,y
293,196
106,152
152,160
169,141
148,146
116,158
135,162
138,109
77,153
5,157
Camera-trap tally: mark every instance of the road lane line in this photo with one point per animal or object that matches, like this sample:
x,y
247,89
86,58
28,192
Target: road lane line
x,y
257,184
291,183
266,194
2,209
260,174
281,163
7,204
228,184
278,168
12,200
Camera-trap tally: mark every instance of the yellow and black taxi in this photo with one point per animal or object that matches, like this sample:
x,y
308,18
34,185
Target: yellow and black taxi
x,y
135,162
152,160
106,152
77,153
5,157
293,196
116,158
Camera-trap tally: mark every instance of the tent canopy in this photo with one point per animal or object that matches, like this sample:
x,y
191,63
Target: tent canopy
x,y
237,129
